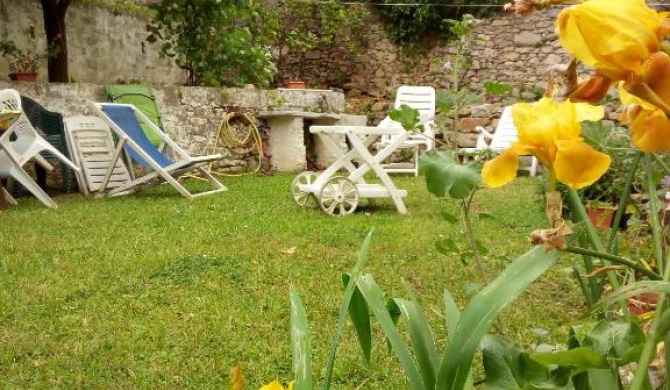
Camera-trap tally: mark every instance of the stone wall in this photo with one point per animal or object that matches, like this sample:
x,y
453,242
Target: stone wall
x,y
106,46
509,48
192,115
103,46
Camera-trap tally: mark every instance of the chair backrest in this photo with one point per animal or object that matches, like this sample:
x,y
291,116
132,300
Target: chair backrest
x,y
143,98
92,148
506,132
10,100
49,122
421,98
124,117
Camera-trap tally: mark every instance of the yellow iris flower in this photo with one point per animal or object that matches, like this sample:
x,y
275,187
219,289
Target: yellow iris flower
x,y
551,131
649,126
276,385
622,40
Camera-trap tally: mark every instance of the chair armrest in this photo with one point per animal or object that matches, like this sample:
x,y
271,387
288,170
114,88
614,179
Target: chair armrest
x,y
482,137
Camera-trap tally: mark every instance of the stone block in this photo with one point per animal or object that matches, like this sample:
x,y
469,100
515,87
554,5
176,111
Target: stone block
x,y
468,125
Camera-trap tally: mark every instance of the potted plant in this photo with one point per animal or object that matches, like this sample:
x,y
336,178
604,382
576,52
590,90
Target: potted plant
x,y
602,197
23,63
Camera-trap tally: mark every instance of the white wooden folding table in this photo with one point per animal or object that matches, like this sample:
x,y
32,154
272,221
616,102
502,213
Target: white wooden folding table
x,y
340,194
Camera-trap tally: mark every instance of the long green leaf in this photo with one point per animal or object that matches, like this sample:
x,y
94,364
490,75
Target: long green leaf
x,y
373,295
634,289
302,351
348,293
360,317
452,316
479,315
422,340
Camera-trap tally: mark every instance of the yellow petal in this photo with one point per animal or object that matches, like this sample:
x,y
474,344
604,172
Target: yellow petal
x,y
579,165
653,85
275,385
615,37
650,130
502,169
593,90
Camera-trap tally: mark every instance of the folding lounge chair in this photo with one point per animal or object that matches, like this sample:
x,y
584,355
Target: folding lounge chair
x,y
92,148
125,120
143,98
421,98
503,137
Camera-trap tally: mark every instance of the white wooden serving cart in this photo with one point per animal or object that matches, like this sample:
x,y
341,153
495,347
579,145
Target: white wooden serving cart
x,y
338,192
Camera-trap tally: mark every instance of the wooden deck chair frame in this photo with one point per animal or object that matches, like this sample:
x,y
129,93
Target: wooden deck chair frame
x,y
502,139
181,161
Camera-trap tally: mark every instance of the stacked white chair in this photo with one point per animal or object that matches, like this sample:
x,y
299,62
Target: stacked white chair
x,y
20,143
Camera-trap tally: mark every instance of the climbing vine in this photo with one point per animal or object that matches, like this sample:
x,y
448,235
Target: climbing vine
x,y
411,24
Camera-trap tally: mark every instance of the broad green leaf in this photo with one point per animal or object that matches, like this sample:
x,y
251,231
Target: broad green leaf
x,y
344,309
497,359
508,367
446,246
445,176
422,340
302,351
578,359
451,218
482,310
360,317
407,116
375,299
616,340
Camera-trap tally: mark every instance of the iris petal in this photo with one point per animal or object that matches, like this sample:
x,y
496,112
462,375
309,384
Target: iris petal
x,y
502,169
593,90
650,130
579,165
615,37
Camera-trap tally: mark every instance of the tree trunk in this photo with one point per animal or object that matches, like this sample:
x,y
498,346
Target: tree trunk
x,y
54,25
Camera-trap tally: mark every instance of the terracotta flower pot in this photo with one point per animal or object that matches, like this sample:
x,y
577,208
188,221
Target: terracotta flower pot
x,y
601,216
23,76
643,303
296,84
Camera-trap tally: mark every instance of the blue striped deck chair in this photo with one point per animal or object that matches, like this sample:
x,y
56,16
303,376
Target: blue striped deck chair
x,y
168,164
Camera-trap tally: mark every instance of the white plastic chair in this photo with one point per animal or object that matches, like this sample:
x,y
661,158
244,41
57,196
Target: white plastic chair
x,y
92,147
26,146
502,139
421,98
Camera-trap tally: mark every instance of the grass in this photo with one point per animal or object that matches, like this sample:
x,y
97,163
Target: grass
x,y
154,291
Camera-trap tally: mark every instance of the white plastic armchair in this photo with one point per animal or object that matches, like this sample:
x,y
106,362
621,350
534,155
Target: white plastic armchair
x,y
421,98
503,137
20,143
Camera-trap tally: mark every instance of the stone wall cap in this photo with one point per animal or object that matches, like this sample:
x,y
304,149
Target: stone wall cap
x,y
302,114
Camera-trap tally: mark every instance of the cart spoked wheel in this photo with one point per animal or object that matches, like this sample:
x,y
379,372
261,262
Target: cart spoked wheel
x,y
304,199
339,196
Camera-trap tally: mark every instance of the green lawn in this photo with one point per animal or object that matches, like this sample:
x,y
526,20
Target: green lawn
x,y
154,291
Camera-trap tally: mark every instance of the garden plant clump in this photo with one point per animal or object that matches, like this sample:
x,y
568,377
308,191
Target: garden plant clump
x,y
615,347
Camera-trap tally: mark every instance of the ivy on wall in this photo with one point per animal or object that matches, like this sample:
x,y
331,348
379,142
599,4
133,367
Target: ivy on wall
x,y
411,24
